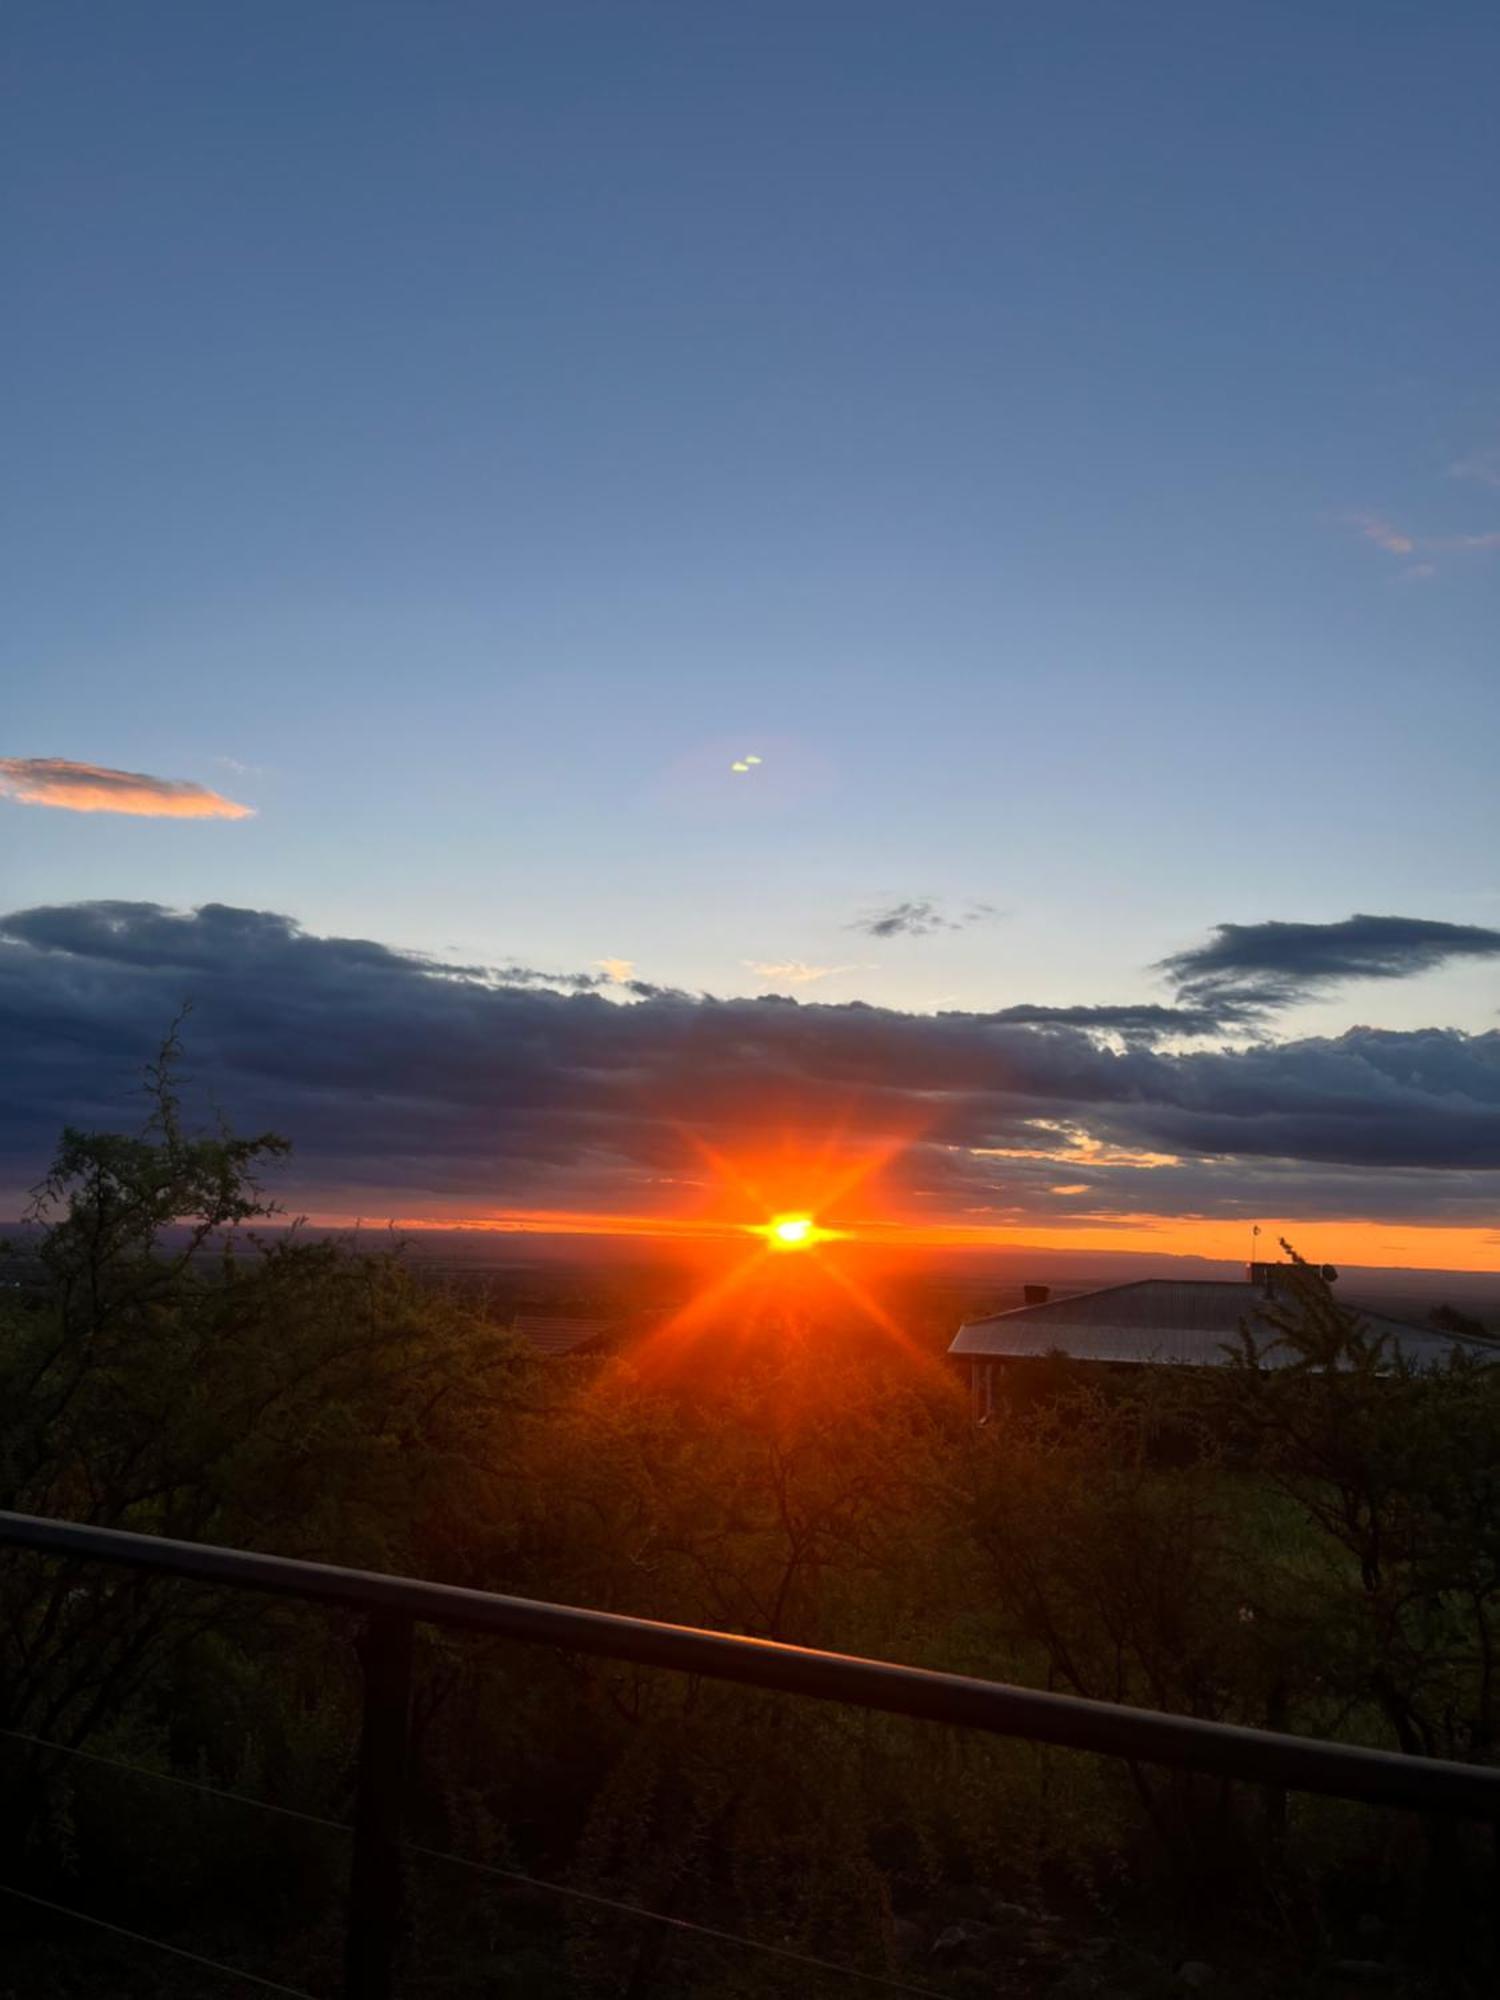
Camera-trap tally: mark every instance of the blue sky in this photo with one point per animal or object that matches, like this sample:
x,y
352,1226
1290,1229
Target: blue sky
x,y
1061,440
463,415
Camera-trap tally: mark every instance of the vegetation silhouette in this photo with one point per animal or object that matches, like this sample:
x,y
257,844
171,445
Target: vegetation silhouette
x,y
1314,1547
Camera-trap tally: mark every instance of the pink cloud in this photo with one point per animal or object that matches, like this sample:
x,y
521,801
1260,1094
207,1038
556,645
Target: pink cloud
x,y
1375,528
74,787
1397,542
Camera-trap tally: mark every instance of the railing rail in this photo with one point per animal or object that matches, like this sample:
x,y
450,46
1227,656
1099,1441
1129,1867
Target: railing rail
x,y
394,1604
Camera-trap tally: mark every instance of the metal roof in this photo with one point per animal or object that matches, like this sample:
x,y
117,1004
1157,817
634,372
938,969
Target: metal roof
x,y
548,1333
1177,1322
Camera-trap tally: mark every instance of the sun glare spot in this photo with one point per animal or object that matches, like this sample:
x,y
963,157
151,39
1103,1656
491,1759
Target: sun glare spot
x,y
795,1232
792,1232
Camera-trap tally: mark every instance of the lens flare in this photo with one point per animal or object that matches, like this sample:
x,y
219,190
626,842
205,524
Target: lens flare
x,y
793,1232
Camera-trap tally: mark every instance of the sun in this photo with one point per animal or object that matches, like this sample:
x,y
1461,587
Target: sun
x,y
793,1232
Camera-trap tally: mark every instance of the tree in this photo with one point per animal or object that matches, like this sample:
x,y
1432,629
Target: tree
x,y
180,1373
1395,1470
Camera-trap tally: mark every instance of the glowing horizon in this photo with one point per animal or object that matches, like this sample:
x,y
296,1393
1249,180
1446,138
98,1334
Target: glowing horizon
x,y
1355,1241
795,1198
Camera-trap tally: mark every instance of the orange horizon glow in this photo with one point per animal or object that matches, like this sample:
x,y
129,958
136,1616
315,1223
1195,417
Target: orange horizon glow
x,y
838,1194
1338,1240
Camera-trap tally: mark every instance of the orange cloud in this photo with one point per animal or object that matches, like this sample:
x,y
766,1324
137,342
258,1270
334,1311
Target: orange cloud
x,y
58,781
1077,1148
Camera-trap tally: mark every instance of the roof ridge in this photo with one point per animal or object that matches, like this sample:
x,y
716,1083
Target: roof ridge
x,y
1095,1292
1056,1308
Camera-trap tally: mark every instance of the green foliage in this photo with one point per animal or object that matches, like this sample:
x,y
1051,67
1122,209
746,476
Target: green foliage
x,y
1394,1475
180,1376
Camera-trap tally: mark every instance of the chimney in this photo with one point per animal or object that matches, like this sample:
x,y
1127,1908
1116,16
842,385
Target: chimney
x,y
1036,1295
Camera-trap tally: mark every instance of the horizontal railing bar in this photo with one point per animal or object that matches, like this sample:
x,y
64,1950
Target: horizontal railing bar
x,y
1264,1757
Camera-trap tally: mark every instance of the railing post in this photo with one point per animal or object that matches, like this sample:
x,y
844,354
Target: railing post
x,y
385,1648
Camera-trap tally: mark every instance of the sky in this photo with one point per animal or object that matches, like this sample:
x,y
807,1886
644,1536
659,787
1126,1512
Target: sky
x,y
923,511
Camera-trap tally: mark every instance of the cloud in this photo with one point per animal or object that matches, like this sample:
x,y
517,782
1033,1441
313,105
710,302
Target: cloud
x,y
618,971
1269,965
919,917
1375,528
407,1084
1143,1019
1481,465
58,781
794,971
264,945
1397,542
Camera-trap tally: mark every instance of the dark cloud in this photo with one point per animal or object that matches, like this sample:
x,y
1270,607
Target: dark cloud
x,y
90,788
262,943
1144,1020
919,917
1269,965
398,1077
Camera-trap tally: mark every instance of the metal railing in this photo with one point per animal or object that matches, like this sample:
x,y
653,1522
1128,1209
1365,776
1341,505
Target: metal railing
x,y
394,1605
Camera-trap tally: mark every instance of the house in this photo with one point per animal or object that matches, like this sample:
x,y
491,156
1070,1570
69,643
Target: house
x,y
1167,1322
